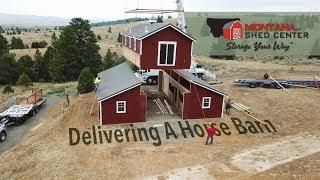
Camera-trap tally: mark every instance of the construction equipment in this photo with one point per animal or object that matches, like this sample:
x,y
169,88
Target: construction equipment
x,y
25,108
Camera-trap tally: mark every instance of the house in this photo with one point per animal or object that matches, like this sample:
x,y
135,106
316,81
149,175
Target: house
x,y
195,98
119,97
157,46
233,30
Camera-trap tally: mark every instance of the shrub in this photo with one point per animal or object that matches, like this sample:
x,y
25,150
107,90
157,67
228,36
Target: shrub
x,y
85,81
7,89
24,80
99,37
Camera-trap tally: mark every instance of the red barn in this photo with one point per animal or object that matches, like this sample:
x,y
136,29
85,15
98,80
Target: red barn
x,y
119,97
157,46
233,30
195,98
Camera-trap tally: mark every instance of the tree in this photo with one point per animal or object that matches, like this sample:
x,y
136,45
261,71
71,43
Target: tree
x,y
24,80
85,81
315,52
78,48
110,30
17,43
25,64
2,30
8,69
41,44
205,30
108,60
160,19
4,47
46,61
119,40
99,37
57,69
7,89
38,66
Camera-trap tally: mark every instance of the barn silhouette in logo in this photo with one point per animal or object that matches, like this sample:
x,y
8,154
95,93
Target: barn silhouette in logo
x,y
230,28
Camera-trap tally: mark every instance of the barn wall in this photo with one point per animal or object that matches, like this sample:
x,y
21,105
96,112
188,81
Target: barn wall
x,y
136,108
193,106
149,58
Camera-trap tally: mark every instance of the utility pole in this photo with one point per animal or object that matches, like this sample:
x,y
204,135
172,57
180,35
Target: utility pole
x,y
182,25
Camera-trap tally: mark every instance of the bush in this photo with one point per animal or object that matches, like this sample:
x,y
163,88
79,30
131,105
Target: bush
x,y
85,81
24,80
99,37
7,89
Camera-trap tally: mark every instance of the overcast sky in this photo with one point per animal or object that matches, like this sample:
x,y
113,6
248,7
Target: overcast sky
x,y
114,9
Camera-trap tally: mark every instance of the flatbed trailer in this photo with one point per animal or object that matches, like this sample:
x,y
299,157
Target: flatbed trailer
x,y
253,83
25,108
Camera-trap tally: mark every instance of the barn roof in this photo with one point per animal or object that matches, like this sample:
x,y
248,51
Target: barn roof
x,y
230,24
142,31
194,79
116,80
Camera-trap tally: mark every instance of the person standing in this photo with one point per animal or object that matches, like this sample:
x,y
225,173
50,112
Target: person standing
x,y
228,106
211,132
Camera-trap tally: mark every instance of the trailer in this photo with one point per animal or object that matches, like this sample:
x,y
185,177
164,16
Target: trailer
x,y
25,108
253,83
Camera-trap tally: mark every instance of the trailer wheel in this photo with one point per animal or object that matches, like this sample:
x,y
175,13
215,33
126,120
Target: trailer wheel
x,y
253,85
3,136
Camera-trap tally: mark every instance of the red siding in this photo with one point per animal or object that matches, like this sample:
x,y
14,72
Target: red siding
x,y
149,58
135,108
193,104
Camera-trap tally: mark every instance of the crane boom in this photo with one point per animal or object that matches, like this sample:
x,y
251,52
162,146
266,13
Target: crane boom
x,y
181,19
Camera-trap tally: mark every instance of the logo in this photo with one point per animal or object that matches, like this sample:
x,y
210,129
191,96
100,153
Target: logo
x,y
233,30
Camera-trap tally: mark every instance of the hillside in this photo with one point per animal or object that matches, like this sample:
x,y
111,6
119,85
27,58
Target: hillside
x,y
31,20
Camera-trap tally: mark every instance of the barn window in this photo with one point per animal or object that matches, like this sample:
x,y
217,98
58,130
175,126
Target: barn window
x,y
135,44
167,53
121,107
206,102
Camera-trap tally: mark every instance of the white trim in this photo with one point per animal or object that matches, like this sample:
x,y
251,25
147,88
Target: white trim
x,y
209,89
191,51
129,42
174,52
222,107
135,44
140,47
169,25
125,40
100,107
124,107
206,98
119,92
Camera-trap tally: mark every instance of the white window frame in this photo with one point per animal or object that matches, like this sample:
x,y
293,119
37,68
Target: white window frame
x,y
203,102
124,105
174,52
135,44
129,42
125,40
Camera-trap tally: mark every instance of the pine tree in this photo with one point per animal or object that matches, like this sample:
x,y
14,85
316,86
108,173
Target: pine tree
x,y
160,19
17,43
25,65
8,69
110,30
85,81
24,80
4,46
38,66
46,61
109,60
205,30
7,89
119,40
57,69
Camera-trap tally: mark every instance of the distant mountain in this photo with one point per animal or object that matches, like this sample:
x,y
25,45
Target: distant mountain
x,y
31,20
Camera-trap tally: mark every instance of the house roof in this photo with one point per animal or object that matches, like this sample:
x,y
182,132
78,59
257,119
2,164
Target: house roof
x,y
115,81
194,79
142,31
230,24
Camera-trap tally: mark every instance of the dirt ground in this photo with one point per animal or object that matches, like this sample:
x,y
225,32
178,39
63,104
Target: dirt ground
x,y
291,152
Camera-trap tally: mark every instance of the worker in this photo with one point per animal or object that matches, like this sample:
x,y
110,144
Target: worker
x,y
228,106
68,100
266,76
211,132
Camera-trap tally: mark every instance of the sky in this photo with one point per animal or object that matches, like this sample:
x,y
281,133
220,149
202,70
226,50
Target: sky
x,y
114,9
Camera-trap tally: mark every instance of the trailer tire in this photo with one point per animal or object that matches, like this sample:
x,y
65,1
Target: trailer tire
x,y
253,85
3,136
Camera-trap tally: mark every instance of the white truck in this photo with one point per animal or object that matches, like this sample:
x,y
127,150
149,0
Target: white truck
x,y
3,129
